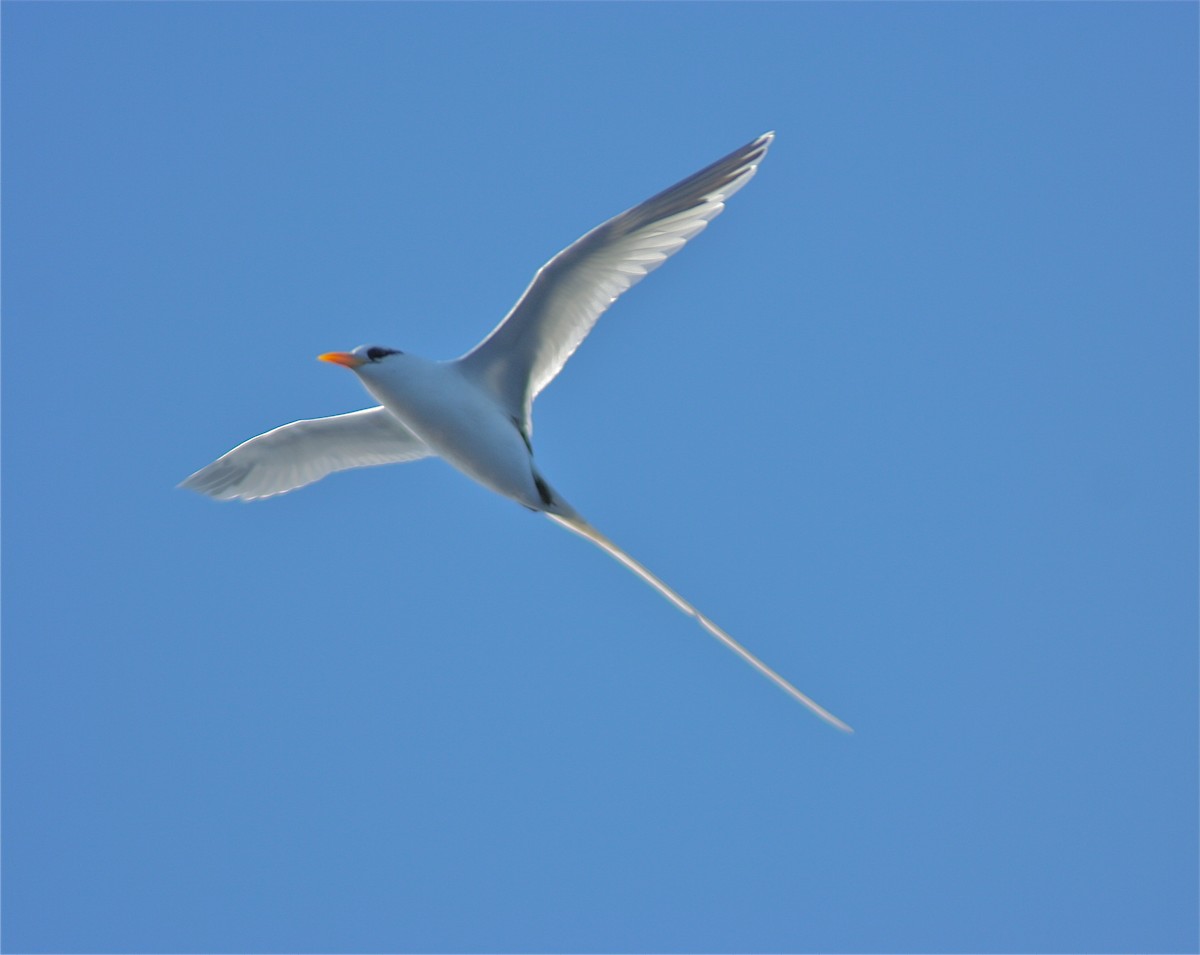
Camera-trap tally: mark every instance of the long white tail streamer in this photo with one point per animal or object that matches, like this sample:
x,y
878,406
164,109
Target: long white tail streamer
x,y
577,525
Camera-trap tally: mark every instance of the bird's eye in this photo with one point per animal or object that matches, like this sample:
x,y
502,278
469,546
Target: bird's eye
x,y
375,353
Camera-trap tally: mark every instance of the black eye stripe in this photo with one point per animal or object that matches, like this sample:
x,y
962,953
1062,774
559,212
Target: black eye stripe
x,y
375,353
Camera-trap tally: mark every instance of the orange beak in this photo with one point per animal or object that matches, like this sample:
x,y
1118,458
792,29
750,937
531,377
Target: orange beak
x,y
341,358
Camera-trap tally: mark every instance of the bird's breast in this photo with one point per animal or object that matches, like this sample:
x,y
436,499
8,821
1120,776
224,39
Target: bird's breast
x,y
460,422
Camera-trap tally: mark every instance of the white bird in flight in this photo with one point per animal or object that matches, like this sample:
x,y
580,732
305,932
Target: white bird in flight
x,y
475,411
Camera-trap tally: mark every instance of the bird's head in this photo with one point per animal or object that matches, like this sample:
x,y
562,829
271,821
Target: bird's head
x,y
362,355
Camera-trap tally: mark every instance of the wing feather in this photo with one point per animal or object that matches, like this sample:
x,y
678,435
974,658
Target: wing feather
x,y
571,291
299,453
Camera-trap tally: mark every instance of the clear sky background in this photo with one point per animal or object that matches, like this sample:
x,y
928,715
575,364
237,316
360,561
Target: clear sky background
x,y
915,419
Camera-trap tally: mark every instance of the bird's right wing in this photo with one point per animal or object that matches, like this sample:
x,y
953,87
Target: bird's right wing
x,y
571,291
305,451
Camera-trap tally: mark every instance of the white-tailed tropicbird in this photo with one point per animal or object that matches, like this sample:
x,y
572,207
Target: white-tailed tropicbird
x,y
475,411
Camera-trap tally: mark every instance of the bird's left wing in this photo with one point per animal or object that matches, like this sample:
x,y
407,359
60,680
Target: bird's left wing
x,y
299,453
571,291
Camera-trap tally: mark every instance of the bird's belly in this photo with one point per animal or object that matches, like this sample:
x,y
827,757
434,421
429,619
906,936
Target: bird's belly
x,y
474,435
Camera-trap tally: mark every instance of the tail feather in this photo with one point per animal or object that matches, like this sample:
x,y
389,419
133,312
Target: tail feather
x,y
571,520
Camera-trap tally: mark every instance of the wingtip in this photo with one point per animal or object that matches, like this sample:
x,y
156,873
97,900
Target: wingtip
x,y
208,482
196,488
758,148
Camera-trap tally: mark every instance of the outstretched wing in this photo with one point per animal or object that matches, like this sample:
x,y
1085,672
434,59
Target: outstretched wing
x,y
305,451
571,291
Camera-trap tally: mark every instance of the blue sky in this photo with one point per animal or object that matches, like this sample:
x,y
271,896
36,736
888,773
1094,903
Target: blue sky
x,y
915,419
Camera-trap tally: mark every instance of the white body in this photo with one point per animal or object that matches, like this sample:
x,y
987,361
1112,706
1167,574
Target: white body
x,y
457,420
